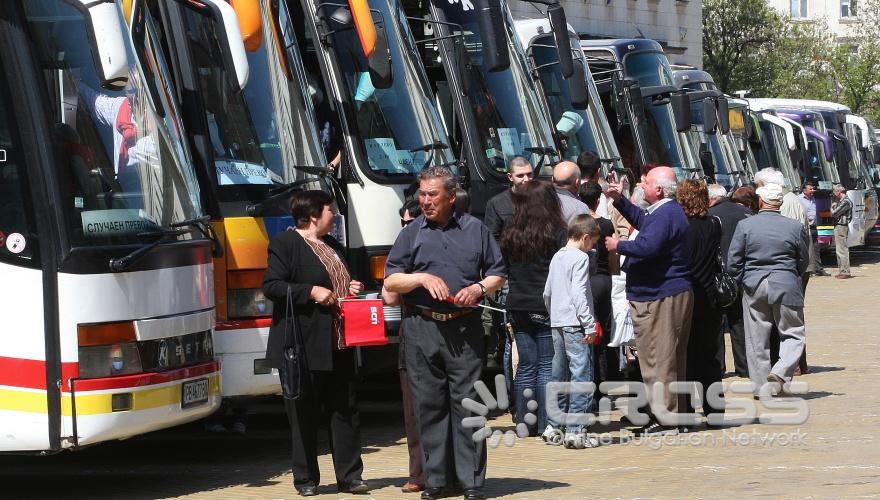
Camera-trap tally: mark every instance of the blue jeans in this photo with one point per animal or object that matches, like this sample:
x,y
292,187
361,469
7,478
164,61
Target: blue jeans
x,y
534,343
573,362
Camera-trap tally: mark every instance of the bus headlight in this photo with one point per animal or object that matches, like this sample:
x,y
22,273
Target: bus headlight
x,y
247,303
109,360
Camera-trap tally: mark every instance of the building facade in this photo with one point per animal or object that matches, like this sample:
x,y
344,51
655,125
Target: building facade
x,y
840,15
676,24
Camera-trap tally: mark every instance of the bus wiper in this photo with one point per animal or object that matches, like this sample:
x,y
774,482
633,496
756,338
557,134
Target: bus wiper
x,y
201,224
543,152
120,264
427,148
256,209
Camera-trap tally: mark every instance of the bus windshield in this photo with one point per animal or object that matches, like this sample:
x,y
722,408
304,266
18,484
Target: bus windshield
x,y
822,171
504,103
584,130
664,145
258,135
394,121
122,167
651,69
723,168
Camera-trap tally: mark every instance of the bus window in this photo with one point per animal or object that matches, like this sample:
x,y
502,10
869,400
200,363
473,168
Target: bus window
x,y
18,237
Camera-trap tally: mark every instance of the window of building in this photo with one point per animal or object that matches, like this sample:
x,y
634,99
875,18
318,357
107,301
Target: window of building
x,y
847,8
799,8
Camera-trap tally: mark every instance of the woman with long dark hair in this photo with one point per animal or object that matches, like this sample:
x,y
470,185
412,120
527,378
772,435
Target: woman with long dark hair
x,y
305,279
528,243
704,358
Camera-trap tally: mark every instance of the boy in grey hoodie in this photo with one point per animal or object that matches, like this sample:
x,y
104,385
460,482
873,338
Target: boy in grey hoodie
x,y
570,304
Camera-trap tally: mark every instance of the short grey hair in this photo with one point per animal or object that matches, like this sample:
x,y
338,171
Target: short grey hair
x,y
769,175
838,188
518,161
716,191
440,172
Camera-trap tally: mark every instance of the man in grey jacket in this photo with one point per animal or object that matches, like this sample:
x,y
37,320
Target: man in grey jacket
x,y
767,255
841,212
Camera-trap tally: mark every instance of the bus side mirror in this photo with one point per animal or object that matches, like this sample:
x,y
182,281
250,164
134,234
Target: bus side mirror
x,y
373,38
710,120
577,86
723,115
681,110
559,25
107,43
229,37
496,57
379,61
636,101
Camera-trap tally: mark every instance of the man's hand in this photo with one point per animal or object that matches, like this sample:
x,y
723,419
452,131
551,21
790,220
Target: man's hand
x,y
435,286
355,287
469,296
322,296
591,338
614,191
611,243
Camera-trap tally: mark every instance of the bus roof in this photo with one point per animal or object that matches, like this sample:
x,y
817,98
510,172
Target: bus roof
x,y
622,46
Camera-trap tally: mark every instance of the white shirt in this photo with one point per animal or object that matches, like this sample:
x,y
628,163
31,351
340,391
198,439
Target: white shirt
x,y
657,205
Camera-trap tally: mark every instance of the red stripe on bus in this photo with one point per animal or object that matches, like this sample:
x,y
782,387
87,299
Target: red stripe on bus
x,y
145,379
31,373
242,324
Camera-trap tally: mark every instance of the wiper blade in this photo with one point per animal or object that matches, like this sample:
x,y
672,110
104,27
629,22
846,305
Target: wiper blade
x,y
201,224
120,264
255,209
432,146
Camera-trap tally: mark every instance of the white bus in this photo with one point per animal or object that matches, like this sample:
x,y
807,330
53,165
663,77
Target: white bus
x,y
108,303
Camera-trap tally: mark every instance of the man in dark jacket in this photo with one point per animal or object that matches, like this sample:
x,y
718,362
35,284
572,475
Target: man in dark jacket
x,y
730,214
499,208
658,287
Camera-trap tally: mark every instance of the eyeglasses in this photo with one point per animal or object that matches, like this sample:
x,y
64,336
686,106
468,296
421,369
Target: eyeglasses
x,y
405,222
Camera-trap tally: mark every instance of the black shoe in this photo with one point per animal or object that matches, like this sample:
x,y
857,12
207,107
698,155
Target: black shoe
x,y
307,490
432,493
657,429
821,272
354,486
474,494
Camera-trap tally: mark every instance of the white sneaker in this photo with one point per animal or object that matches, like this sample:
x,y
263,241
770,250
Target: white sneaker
x,y
552,436
580,440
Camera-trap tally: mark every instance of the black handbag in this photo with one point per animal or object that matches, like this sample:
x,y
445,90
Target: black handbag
x,y
293,369
726,289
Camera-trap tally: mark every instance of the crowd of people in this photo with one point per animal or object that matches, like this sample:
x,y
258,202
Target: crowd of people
x,y
554,255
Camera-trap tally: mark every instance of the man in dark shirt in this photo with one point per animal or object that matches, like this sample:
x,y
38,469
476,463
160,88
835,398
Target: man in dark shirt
x,y
499,209
443,264
730,214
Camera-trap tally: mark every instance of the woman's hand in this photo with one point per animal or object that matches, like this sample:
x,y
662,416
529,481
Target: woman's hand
x,y
591,338
355,287
322,296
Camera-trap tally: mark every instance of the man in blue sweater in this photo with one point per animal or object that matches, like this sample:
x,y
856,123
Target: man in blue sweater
x,y
658,287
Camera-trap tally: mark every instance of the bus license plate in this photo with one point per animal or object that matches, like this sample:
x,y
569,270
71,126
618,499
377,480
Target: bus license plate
x,y
195,392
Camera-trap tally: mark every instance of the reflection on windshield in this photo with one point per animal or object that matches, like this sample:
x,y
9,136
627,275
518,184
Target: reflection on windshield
x,y
822,171
663,143
123,169
583,130
391,121
504,103
651,69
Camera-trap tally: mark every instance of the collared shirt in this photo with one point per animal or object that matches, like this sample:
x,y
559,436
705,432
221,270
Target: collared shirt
x,y
460,253
571,205
658,204
810,207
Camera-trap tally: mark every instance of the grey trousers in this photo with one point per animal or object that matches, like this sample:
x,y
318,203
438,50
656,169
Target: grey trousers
x,y
760,317
443,360
662,328
840,234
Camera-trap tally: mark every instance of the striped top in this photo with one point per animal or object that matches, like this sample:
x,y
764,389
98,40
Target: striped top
x,y
339,277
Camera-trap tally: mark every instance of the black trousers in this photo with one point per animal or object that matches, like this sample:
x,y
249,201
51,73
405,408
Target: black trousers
x,y
704,365
734,314
443,360
328,397
606,360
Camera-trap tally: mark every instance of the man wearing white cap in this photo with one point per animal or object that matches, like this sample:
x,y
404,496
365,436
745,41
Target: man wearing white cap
x,y
768,255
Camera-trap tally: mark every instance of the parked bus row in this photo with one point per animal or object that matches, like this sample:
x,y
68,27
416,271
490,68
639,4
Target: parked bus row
x,y
150,149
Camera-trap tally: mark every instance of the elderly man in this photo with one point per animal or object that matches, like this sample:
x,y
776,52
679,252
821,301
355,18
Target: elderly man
x,y
791,206
768,255
499,208
567,179
444,256
658,288
730,213
841,212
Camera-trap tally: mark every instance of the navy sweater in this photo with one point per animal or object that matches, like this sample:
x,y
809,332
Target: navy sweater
x,y
657,260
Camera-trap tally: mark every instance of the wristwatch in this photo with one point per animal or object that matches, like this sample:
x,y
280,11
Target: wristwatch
x,y
482,288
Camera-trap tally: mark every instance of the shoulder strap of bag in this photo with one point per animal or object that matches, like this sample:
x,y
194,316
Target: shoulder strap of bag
x,y
292,327
719,257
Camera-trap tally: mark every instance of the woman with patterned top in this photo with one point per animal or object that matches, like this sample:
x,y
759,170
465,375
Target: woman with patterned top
x,y
306,264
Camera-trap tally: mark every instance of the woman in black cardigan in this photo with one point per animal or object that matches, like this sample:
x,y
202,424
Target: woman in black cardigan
x,y
308,264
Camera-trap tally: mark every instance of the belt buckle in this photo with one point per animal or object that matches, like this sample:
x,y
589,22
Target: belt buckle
x,y
439,316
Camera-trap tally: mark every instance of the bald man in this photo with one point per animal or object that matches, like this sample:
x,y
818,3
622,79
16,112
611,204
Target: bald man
x,y
658,287
566,179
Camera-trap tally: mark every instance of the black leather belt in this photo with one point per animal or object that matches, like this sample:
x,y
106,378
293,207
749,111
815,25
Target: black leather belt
x,y
442,315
